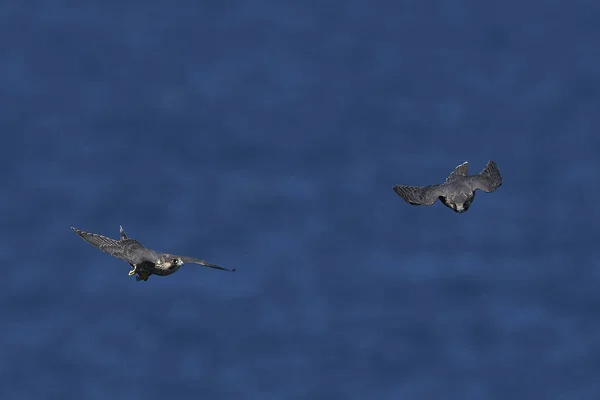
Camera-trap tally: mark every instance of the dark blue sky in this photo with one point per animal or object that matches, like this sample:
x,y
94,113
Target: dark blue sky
x,y
266,136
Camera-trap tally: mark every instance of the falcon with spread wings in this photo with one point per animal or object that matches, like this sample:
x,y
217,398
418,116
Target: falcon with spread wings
x,y
457,192
144,262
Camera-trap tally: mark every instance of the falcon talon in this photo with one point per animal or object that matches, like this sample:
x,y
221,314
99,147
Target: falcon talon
x,y
144,261
141,276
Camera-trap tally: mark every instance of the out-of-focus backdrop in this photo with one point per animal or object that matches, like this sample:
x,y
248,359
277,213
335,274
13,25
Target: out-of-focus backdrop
x,y
266,136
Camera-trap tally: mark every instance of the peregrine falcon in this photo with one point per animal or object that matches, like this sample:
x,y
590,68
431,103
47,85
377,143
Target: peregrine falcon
x,y
457,192
144,262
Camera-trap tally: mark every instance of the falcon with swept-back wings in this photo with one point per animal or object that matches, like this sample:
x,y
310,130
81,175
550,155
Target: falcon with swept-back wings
x,y
457,192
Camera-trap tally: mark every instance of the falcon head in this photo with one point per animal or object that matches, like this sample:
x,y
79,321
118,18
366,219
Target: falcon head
x,y
461,202
169,262
175,262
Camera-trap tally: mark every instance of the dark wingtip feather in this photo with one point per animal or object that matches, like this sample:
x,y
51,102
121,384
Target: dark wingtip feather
x,y
492,172
404,192
399,190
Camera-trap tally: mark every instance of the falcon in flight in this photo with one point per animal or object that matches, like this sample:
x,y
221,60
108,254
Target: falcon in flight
x,y
457,192
144,262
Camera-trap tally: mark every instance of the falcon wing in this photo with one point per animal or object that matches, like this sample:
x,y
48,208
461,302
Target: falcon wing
x,y
122,232
418,195
489,179
192,260
460,171
129,250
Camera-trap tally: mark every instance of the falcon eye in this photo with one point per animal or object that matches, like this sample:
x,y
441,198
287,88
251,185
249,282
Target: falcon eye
x,y
175,261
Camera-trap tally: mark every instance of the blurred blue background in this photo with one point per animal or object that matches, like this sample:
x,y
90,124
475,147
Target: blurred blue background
x,y
266,136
